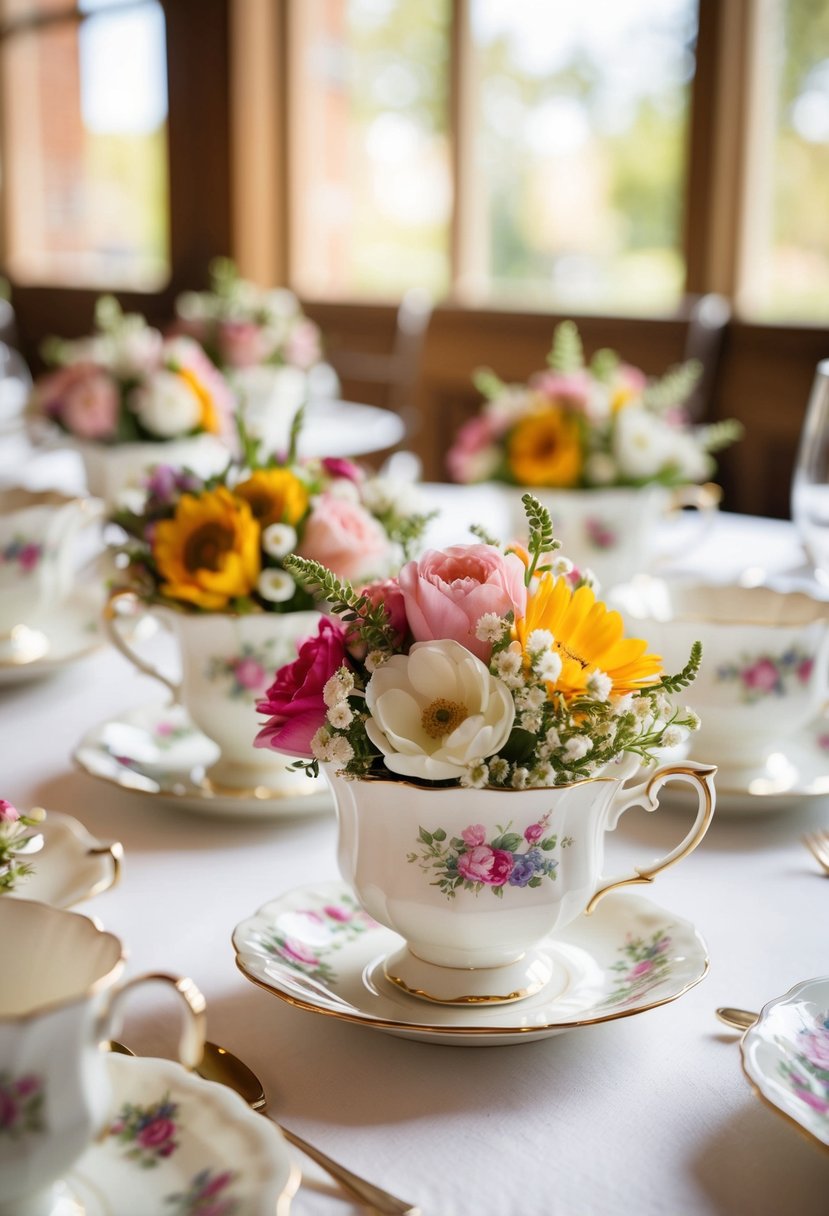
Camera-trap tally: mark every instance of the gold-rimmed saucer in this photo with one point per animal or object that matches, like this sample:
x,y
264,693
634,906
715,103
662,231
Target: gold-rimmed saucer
x,y
317,950
66,636
157,751
71,866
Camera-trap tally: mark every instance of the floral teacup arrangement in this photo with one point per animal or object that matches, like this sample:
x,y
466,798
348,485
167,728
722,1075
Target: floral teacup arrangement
x,y
17,843
606,449
262,341
211,556
478,719
128,398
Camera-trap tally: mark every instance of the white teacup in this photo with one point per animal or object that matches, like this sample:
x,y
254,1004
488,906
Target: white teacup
x,y
38,531
614,532
59,1002
113,468
765,658
473,880
228,662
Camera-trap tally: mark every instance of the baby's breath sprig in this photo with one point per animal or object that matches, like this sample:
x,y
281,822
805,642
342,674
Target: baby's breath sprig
x,y
371,620
541,539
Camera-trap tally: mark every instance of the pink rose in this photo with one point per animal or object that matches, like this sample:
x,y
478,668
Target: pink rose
x,y
343,536
338,913
386,592
483,864
242,344
534,832
815,1047
157,1132
29,556
570,392
804,670
298,951
474,835
83,398
216,1185
8,813
473,437
447,592
295,700
642,968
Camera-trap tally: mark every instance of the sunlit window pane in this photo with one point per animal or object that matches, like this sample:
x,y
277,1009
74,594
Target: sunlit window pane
x,y
86,177
786,267
372,197
580,153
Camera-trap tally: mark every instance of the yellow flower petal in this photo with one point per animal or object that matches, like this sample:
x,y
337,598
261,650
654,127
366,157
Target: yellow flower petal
x,y
208,553
275,496
544,449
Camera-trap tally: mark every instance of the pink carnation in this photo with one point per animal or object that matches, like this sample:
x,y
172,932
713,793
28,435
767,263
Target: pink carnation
x,y
343,536
83,398
8,813
447,592
473,437
242,344
294,701
570,392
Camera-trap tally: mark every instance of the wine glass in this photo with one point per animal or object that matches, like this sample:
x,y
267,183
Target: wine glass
x,y
810,487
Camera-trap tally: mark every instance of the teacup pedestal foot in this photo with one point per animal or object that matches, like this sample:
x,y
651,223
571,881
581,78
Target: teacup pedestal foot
x,y
253,781
500,985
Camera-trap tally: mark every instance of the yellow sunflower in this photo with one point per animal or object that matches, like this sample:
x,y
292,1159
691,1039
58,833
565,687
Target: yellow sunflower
x,y
275,496
544,449
210,420
208,553
588,637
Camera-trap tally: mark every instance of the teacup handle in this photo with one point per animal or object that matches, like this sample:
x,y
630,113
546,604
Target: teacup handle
x,y
118,595
646,795
193,1008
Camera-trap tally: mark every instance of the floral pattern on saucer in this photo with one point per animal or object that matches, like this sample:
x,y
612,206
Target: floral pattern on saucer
x,y
203,1151
785,1056
308,938
627,957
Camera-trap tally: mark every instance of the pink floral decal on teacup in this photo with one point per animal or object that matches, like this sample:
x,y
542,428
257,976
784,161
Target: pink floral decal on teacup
x,y
25,554
472,862
316,933
207,1195
21,1105
248,672
600,534
806,1072
765,675
150,1131
167,734
644,964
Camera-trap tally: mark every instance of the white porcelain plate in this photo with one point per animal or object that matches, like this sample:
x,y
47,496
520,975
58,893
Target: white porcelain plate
x,y
786,1056
71,866
73,632
157,751
315,948
179,1145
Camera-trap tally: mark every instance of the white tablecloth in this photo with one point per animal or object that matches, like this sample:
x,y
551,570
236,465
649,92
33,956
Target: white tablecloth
x,y
648,1115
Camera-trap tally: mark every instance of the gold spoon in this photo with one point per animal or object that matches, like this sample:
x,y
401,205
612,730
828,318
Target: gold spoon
x,y
220,1065
738,1019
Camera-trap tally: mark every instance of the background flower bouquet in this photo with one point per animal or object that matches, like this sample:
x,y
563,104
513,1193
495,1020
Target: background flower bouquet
x,y
124,391
263,342
17,843
608,451
587,425
478,717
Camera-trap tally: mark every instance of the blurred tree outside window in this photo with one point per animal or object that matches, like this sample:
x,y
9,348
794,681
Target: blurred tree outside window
x,y
85,115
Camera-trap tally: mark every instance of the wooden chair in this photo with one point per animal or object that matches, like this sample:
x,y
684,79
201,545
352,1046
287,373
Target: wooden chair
x,y
708,317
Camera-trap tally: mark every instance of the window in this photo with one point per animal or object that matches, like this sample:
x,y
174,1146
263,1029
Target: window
x,y
85,116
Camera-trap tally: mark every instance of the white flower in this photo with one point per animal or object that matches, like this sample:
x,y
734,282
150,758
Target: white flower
x,y
641,443
384,495
319,743
279,539
544,774
277,586
340,715
436,710
344,489
531,721
548,666
509,662
539,639
498,769
340,751
337,688
600,469
642,708
520,778
577,747
376,658
624,705
560,567
672,736
553,739
166,405
692,720
490,627
476,775
599,685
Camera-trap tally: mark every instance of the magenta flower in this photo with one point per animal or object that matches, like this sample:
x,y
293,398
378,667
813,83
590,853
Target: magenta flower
x,y
338,913
8,813
29,556
804,670
642,968
294,701
474,835
483,864
761,675
157,1133
534,832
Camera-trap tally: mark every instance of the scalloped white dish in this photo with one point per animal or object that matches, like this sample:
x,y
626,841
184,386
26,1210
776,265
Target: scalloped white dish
x,y
71,866
157,751
316,949
785,1057
180,1145
70,634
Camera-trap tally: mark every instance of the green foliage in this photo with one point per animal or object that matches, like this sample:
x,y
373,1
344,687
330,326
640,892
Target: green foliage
x,y
682,679
567,353
674,387
370,621
483,536
603,364
719,435
541,540
487,383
